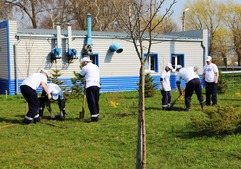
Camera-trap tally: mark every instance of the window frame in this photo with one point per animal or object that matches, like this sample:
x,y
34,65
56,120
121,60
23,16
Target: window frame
x,y
153,57
179,58
95,56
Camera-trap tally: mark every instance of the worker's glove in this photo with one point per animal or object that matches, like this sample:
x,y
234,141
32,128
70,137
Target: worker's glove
x,y
49,96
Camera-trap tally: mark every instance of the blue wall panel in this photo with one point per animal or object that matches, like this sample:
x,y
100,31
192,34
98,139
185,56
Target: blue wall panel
x,y
108,84
5,57
4,86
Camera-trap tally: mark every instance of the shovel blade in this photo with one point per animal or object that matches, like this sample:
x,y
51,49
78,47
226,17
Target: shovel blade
x,y
81,115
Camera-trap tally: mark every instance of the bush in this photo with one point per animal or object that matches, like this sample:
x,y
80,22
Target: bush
x,y
222,85
150,86
218,120
78,85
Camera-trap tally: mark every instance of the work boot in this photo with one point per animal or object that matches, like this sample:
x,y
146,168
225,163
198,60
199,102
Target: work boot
x,y
41,112
164,108
62,115
36,118
27,121
202,104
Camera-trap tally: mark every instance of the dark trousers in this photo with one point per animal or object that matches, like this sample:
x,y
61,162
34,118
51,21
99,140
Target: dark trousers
x,y
166,98
193,85
211,92
31,97
92,95
45,101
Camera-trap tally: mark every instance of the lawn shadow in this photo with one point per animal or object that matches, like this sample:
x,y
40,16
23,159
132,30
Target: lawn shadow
x,y
176,109
74,119
171,109
13,121
194,134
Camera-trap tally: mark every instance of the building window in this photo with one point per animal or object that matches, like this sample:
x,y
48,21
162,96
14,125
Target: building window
x,y
151,64
95,58
177,59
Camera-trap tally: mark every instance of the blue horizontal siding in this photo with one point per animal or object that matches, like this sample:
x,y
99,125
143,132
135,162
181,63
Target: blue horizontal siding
x,y
108,84
113,84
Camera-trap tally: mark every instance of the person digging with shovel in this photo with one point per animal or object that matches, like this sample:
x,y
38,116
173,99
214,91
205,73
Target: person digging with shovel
x,y
92,87
193,83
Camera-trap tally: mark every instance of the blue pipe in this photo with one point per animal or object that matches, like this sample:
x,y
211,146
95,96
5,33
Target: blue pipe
x,y
115,47
89,25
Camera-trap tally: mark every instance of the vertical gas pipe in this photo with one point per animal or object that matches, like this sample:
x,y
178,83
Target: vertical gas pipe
x,y
72,53
58,36
89,25
69,36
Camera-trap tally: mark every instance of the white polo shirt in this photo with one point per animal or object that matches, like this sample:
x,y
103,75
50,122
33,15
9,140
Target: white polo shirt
x,y
165,80
210,72
186,74
92,75
35,80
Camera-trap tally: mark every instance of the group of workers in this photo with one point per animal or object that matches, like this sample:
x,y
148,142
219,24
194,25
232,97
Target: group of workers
x,y
190,76
52,91
90,71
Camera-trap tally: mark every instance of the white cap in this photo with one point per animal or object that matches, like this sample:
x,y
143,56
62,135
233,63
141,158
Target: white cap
x,y
55,94
45,71
179,66
86,59
208,58
169,65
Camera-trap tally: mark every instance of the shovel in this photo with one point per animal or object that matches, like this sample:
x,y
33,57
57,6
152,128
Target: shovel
x,y
174,102
170,108
82,113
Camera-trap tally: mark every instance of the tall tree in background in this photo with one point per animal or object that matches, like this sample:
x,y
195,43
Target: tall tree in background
x,y
54,11
28,8
139,25
222,45
232,18
167,25
41,13
5,11
45,14
102,12
204,14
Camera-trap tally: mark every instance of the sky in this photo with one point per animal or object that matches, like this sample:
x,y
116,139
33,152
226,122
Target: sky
x,y
179,7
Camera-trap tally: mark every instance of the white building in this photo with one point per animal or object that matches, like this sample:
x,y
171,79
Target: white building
x,y
26,51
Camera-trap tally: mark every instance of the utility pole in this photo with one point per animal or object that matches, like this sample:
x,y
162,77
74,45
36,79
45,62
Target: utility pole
x,y
183,18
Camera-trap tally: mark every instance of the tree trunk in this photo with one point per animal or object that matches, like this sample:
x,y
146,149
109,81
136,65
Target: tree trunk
x,y
141,137
239,60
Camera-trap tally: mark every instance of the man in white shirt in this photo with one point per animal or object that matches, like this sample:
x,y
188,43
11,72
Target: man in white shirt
x,y
166,86
210,76
92,78
193,83
57,95
28,89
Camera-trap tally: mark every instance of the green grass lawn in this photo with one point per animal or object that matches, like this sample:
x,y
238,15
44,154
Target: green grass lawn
x,y
111,142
